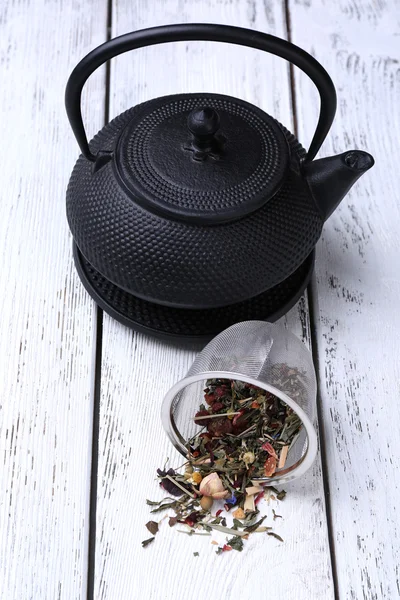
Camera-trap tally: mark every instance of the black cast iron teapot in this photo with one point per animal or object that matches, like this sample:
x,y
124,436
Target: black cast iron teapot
x,y
200,201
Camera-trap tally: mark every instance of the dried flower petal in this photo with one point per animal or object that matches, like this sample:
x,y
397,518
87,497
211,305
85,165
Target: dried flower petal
x,y
232,500
248,458
270,449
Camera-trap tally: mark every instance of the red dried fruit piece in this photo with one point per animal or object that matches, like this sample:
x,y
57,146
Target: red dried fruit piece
x,y
209,398
219,427
201,413
218,512
270,466
226,548
205,436
217,406
255,404
220,391
270,449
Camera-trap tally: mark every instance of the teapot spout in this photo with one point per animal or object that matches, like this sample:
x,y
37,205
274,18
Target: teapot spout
x,y
331,178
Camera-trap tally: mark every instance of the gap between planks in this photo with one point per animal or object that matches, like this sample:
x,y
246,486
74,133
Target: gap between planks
x,y
94,471
314,346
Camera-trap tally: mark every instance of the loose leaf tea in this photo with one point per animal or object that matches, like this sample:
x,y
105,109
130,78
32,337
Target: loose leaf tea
x,y
245,434
147,542
152,526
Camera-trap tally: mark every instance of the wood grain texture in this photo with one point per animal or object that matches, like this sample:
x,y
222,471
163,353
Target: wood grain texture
x,y
137,371
47,320
358,287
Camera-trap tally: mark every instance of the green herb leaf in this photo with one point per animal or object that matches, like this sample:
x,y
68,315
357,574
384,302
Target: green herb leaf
x,y
250,518
165,506
275,535
237,524
227,530
254,526
236,543
147,542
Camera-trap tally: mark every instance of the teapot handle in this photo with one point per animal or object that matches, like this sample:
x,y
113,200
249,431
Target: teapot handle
x,y
200,32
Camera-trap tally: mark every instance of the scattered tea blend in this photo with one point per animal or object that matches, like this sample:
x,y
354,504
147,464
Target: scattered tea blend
x,y
245,434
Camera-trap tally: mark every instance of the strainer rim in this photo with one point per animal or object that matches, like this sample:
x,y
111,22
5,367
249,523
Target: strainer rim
x,y
312,441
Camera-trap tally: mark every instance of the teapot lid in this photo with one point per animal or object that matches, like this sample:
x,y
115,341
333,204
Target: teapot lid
x,y
205,158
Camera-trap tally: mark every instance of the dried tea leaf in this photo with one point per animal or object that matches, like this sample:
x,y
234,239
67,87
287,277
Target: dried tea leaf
x,y
236,543
151,503
152,526
195,554
165,506
172,521
280,495
276,516
251,528
250,517
275,535
237,524
147,542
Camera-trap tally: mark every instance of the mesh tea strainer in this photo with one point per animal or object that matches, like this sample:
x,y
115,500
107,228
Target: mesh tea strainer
x,y
262,354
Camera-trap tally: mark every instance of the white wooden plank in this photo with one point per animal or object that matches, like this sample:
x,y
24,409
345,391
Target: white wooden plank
x,y
47,319
137,370
358,287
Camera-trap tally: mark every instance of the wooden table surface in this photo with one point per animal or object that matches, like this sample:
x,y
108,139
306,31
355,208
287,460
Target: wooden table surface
x,y
80,433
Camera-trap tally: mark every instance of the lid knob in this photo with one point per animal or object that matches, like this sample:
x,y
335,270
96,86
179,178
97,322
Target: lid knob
x,y
203,124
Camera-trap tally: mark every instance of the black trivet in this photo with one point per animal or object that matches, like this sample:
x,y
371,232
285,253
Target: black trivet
x,y
181,324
